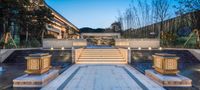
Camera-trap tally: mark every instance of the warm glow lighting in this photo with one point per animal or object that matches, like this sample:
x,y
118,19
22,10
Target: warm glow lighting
x,y
51,48
139,48
129,48
64,21
160,48
150,48
62,48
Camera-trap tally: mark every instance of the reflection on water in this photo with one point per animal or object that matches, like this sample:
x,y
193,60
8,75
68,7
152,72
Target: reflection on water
x,y
11,72
189,65
1,72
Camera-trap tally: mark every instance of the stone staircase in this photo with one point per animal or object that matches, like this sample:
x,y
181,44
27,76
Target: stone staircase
x,y
101,56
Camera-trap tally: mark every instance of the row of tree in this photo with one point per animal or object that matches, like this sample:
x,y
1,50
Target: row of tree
x,y
30,16
148,17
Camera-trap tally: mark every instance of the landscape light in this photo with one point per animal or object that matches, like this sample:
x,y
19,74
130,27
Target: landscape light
x,y
129,48
62,48
150,48
139,48
160,48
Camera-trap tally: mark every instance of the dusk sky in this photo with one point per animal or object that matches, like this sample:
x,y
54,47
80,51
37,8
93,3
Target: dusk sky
x,y
90,13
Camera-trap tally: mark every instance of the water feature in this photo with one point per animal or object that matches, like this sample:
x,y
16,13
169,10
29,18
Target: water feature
x,y
15,64
1,69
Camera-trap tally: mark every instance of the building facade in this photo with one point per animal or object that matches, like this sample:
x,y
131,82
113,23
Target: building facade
x,y
60,27
20,20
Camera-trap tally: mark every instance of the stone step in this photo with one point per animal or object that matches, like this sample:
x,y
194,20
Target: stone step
x,y
96,55
88,57
100,53
101,62
111,56
100,49
101,59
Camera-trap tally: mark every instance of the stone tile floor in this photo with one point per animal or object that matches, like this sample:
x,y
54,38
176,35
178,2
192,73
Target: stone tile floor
x,y
102,77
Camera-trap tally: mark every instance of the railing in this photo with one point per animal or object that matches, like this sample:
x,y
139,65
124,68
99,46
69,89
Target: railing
x,y
78,53
124,53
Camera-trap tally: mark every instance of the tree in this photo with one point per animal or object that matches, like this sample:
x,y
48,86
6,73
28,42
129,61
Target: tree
x,y
138,15
192,7
30,15
9,14
161,13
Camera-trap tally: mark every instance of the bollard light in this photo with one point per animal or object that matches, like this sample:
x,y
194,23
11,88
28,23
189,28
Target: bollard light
x,y
160,48
51,48
150,48
62,48
129,48
139,48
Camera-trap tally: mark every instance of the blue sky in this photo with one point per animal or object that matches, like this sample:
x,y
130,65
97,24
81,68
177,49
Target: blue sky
x,y
90,13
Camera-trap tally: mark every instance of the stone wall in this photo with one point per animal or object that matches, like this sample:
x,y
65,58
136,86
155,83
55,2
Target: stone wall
x,y
135,43
59,43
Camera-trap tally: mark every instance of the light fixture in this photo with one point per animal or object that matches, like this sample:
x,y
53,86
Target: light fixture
x,y
129,48
160,48
150,48
51,48
62,48
139,48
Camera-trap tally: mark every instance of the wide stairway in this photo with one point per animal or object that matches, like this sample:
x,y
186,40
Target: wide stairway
x,y
101,56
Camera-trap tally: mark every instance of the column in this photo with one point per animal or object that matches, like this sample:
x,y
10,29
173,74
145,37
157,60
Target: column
x,y
129,55
73,55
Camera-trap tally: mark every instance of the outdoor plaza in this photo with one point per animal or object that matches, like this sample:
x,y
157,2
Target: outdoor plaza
x,y
126,65
41,50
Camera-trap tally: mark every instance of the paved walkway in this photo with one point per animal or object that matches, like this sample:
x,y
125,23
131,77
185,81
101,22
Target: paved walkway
x,y
102,77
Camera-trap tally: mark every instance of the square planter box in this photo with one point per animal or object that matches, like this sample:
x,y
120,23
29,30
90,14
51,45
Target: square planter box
x,y
165,63
38,63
